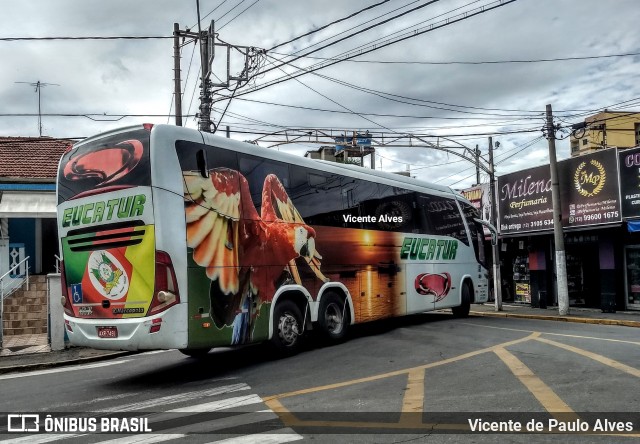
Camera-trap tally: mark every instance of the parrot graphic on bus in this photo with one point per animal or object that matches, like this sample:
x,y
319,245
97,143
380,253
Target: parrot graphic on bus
x,y
245,253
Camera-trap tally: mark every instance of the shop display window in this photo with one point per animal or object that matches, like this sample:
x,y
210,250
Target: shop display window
x,y
522,286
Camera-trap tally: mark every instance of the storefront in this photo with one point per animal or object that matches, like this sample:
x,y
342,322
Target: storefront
x,y
629,165
592,226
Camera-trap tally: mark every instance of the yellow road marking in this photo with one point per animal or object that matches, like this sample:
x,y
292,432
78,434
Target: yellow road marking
x,y
552,334
543,393
400,372
604,360
413,401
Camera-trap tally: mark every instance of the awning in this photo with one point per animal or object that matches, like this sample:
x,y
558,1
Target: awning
x,y
633,226
36,204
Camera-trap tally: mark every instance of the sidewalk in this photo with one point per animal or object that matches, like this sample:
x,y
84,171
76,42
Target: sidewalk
x,y
581,315
32,352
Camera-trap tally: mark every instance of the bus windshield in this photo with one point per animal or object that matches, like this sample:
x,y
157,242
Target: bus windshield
x,y
105,165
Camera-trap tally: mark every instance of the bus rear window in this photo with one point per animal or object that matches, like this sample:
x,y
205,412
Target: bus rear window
x,y
113,162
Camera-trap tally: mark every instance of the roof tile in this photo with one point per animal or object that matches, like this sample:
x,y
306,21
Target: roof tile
x,y
31,157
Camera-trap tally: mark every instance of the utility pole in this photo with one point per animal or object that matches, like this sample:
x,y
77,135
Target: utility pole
x,y
477,152
497,281
561,260
203,38
38,85
204,119
176,74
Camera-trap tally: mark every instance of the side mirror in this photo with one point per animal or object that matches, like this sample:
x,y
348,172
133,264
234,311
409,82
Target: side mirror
x,y
201,160
492,230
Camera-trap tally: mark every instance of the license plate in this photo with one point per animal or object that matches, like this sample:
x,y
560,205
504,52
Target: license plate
x,y
107,332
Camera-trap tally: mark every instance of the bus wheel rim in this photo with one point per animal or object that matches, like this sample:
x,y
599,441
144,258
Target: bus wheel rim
x,y
333,318
288,329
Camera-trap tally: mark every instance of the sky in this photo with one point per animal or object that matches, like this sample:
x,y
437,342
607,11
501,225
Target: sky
x,y
429,88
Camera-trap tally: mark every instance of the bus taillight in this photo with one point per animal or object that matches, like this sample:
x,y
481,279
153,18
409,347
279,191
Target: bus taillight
x,y
165,293
66,302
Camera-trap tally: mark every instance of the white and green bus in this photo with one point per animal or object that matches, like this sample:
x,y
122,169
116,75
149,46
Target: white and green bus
x,y
173,238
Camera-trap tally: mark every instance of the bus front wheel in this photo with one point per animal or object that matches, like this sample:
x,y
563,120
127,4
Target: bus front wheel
x,y
334,317
288,328
462,311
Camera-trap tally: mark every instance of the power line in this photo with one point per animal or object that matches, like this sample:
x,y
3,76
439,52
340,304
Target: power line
x,y
328,25
483,62
116,37
375,25
239,14
422,102
209,13
461,17
309,108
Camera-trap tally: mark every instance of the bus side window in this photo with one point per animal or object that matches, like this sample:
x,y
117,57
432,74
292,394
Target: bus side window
x,y
256,169
203,165
445,218
189,157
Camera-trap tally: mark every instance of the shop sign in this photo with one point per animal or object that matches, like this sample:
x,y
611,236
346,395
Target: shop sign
x,y
589,194
480,198
524,201
523,292
629,164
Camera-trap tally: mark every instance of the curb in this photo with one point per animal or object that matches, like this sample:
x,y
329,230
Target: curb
x,y
620,322
52,364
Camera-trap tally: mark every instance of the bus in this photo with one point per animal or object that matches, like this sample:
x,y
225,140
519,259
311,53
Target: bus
x,y
172,238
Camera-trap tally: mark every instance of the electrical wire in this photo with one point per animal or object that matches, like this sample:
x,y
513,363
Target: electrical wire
x,y
238,15
115,37
481,62
448,22
321,28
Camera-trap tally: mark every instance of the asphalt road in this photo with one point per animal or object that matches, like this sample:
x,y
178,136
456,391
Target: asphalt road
x,y
417,379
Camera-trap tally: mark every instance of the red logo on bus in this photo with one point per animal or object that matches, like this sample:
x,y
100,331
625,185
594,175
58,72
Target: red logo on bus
x,y
106,164
437,285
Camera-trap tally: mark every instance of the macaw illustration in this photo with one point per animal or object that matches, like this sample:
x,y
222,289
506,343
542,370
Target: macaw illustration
x,y
437,285
245,254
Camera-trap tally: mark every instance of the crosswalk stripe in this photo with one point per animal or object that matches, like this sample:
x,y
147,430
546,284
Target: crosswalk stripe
x,y
39,439
230,420
172,399
62,369
275,437
143,439
219,405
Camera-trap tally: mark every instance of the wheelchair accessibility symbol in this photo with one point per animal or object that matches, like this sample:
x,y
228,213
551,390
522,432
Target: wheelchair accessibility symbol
x,y
76,293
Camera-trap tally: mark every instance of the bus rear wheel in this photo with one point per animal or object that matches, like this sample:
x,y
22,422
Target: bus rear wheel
x,y
462,311
333,317
288,328
195,352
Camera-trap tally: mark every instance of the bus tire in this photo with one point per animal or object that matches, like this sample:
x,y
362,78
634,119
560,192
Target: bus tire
x,y
195,352
462,311
287,328
333,317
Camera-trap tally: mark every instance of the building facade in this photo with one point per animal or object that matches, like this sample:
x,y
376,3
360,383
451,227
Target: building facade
x,y
600,202
28,201
618,129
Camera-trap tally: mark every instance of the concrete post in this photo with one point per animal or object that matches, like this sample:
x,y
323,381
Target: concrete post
x,y
56,318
